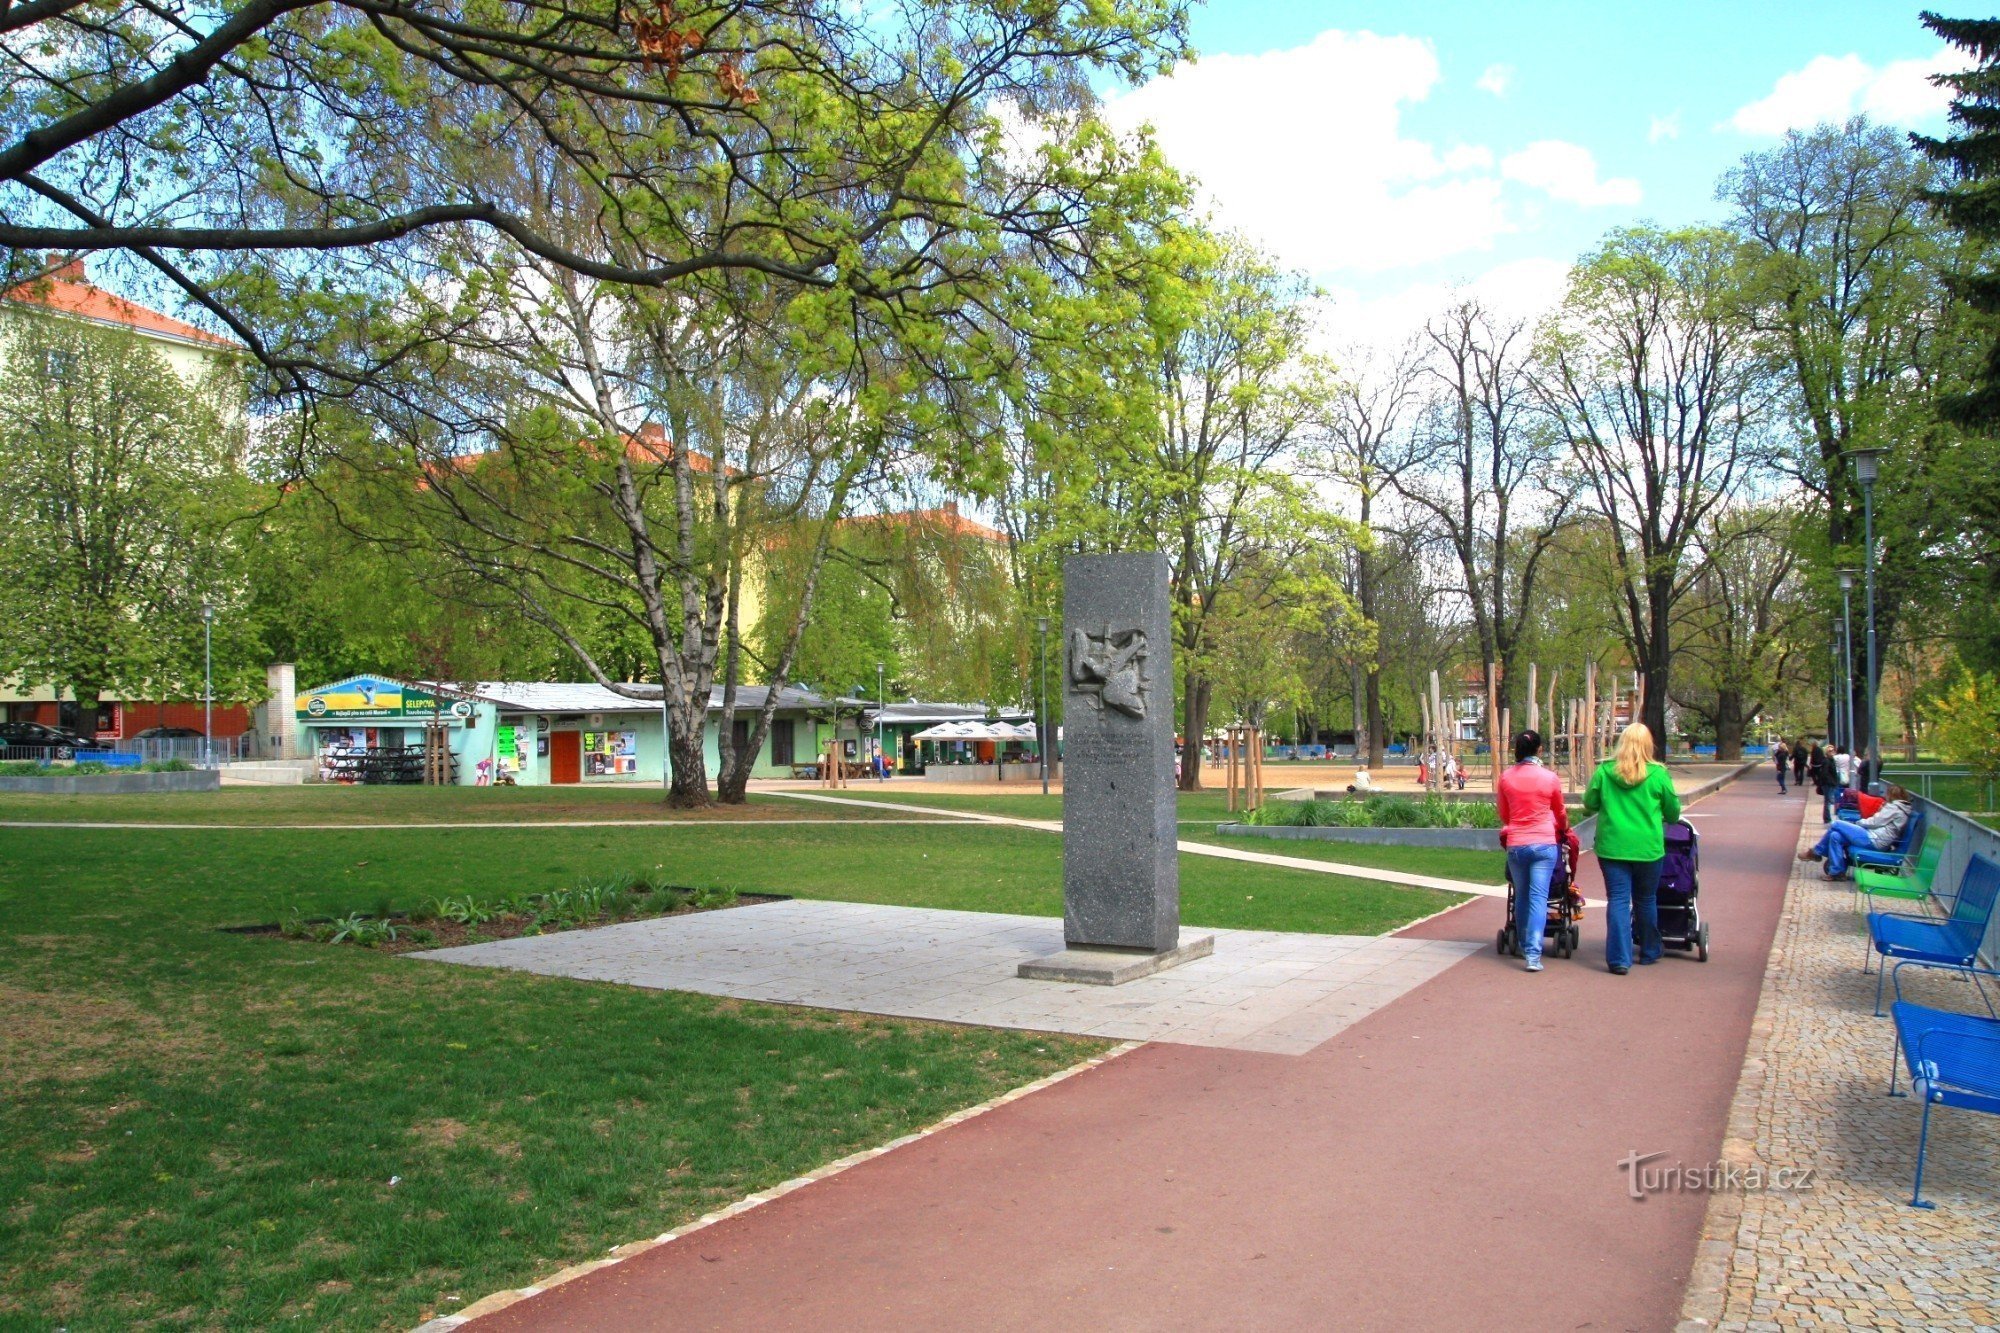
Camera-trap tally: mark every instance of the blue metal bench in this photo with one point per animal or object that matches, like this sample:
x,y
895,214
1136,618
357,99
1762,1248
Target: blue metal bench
x,y
1951,942
1953,1060
1893,857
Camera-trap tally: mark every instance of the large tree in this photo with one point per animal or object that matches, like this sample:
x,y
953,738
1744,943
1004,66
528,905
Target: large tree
x,y
1843,288
339,142
1744,628
118,481
1650,375
1484,477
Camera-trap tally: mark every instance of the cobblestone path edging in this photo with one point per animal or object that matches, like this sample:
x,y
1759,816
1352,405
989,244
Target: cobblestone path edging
x,y
1849,1252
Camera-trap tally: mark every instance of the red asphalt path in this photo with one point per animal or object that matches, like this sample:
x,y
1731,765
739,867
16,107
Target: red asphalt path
x,y
1449,1162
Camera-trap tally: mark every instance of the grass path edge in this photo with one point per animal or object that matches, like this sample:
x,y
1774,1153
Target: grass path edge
x,y
500,1300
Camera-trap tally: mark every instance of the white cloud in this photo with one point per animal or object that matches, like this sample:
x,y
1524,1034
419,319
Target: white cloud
x,y
1832,88
1664,127
1304,149
1495,79
1523,289
1568,172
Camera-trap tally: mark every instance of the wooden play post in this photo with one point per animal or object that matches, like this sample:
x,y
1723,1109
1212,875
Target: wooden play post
x,y
1590,716
1494,726
1229,763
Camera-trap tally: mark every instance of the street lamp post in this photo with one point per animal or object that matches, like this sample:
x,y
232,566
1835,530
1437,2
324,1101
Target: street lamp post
x,y
1042,718
208,684
1867,467
881,755
1847,659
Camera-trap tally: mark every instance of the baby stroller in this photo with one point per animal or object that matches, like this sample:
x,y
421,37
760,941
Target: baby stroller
x,y
1681,926
1565,908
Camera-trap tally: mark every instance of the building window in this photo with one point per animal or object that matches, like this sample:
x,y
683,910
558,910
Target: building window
x,y
58,363
782,742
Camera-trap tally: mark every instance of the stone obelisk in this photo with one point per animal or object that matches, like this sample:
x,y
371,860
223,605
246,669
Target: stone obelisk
x,y
1121,873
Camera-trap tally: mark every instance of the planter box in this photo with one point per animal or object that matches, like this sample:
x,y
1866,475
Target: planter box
x,y
1469,839
114,784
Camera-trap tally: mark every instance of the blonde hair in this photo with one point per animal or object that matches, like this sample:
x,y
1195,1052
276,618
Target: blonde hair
x,y
1635,752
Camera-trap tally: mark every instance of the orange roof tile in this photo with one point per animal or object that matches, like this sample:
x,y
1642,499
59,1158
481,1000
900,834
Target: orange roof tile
x,y
947,520
65,290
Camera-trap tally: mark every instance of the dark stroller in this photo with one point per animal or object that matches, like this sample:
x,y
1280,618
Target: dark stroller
x,y
1559,930
1681,926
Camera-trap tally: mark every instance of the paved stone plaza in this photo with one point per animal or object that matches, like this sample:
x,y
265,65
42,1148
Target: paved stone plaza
x,y
1276,992
1849,1252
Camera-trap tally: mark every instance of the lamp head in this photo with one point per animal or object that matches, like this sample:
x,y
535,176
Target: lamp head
x,y
1846,580
1867,464
1041,624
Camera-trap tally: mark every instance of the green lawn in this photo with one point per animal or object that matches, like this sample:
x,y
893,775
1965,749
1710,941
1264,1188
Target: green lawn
x,y
1445,862
203,1128
1029,804
324,803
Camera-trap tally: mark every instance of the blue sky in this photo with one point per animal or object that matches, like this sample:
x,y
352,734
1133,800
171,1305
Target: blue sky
x,y
1395,151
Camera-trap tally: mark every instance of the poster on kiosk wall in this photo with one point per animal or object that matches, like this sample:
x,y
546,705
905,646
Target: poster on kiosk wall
x,y
610,754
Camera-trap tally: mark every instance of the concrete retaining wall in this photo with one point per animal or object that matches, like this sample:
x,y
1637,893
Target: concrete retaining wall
x,y
110,784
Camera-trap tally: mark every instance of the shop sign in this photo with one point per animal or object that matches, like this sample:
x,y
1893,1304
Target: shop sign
x,y
370,696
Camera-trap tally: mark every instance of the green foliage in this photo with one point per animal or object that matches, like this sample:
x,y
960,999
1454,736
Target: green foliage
x,y
1965,723
118,483
1378,811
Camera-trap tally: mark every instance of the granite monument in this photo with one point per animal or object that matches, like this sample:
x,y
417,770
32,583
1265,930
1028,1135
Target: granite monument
x,y
1121,873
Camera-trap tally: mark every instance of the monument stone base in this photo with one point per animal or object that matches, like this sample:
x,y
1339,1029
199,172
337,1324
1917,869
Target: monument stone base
x,y
1114,967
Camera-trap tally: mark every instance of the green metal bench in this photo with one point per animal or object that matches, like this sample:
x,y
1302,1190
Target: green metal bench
x,y
1911,880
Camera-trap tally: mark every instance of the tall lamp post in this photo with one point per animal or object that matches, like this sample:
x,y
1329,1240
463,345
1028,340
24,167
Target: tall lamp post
x,y
1042,713
881,702
1867,467
208,684
1847,660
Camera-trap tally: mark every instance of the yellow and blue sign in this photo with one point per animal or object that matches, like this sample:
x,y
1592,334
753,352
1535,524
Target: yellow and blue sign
x,y
366,697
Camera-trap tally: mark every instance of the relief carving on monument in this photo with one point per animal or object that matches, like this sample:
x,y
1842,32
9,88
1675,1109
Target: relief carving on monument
x,y
1109,669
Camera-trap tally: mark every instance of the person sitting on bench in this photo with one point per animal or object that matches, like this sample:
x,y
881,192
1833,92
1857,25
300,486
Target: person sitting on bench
x,y
1879,831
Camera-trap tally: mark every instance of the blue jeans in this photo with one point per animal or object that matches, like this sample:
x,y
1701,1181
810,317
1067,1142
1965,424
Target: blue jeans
x,y
1840,838
1631,885
1531,869
1827,797
1781,779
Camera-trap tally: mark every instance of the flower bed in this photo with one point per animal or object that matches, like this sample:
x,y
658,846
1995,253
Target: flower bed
x,y
442,923
1378,812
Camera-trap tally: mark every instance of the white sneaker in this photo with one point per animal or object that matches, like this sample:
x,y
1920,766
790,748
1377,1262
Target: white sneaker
x,y
1533,965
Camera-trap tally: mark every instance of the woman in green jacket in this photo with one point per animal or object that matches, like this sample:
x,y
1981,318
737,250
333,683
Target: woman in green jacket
x,y
1633,799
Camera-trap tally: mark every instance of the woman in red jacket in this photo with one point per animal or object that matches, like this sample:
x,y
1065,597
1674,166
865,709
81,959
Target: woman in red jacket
x,y
1533,824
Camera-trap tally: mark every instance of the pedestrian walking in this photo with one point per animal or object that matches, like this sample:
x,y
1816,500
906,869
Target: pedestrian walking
x,y
1825,780
1633,798
1533,823
1781,755
1799,762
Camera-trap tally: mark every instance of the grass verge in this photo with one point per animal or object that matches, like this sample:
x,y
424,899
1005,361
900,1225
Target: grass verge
x,y
213,1130
324,803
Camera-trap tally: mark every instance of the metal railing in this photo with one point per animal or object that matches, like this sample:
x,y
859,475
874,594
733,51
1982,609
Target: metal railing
x,y
129,753
1924,782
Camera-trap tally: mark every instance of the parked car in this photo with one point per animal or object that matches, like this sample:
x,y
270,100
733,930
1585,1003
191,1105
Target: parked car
x,y
168,734
33,735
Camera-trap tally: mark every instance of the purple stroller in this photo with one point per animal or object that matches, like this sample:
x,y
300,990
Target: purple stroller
x,y
1681,926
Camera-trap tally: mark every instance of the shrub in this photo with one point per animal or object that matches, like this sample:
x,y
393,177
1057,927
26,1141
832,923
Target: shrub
x,y
1395,812
166,766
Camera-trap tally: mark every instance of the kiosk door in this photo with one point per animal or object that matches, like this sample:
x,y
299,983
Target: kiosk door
x,y
565,757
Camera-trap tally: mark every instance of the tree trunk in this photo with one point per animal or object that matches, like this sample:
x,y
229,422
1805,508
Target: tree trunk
x,y
1729,726
1659,611
687,784
1374,687
1195,715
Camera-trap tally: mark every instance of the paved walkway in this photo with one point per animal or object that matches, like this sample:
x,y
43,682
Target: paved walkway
x,y
1848,1252
1261,990
1450,1161
1311,863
